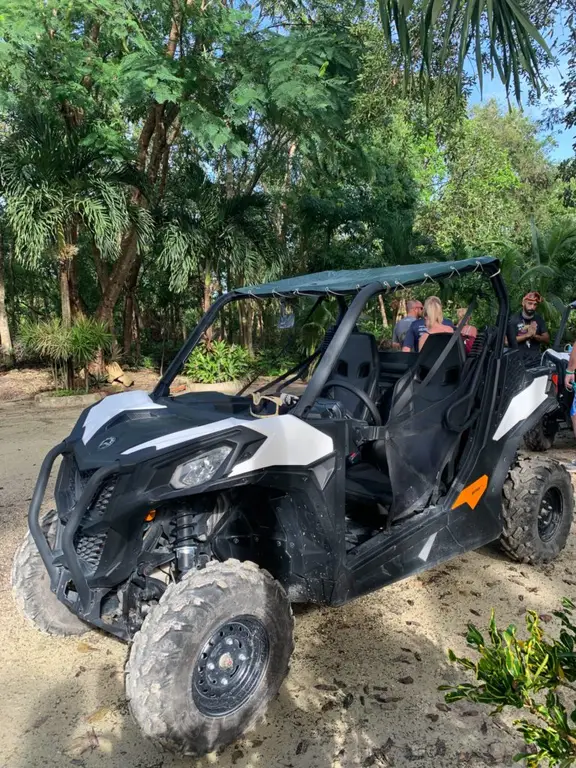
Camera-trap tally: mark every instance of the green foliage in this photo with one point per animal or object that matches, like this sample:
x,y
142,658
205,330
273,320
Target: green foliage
x,y
58,344
497,179
175,150
87,337
270,362
528,674
219,363
502,33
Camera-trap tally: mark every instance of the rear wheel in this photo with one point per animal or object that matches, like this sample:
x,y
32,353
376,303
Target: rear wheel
x,y
31,585
210,657
538,507
541,437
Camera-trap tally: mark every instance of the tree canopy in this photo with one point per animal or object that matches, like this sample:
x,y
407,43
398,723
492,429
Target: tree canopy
x,y
154,154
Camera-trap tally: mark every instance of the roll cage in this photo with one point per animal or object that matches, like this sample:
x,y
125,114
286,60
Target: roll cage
x,y
353,289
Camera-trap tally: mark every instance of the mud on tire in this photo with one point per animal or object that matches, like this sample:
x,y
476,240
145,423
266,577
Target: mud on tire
x,y
215,616
31,586
537,510
541,437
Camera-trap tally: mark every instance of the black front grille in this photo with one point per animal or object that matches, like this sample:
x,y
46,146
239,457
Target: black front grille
x,y
104,496
88,544
77,481
89,548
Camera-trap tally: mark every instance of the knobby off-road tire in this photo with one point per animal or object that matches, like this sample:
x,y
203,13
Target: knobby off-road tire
x,y
541,437
173,697
537,510
31,586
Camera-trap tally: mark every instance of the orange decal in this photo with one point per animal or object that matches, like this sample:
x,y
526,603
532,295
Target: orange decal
x,y
472,494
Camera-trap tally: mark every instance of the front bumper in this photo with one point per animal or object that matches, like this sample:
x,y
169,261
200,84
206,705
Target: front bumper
x,y
66,568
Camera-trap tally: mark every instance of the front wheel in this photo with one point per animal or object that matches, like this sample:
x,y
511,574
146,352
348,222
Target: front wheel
x,y
31,585
537,510
210,657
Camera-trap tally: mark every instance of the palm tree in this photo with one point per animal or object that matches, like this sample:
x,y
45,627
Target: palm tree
x,y
226,240
547,266
54,186
498,32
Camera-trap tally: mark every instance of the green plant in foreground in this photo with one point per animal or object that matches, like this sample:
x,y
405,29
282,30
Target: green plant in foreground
x,y
529,674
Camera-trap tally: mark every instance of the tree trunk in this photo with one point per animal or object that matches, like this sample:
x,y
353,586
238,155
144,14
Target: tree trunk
x,y
65,255
76,305
65,303
246,316
383,310
283,227
131,283
128,324
117,279
5,337
101,269
207,300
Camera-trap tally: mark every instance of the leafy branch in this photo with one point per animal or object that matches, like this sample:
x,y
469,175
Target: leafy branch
x,y
527,674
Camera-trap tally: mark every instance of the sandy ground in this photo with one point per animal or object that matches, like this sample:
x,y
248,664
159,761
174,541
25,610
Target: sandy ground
x,y
363,686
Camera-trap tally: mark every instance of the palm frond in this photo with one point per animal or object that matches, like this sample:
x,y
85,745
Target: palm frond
x,y
513,42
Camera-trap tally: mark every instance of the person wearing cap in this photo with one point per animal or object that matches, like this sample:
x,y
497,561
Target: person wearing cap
x,y
531,330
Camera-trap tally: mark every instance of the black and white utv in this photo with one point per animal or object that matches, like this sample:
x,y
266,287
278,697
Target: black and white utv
x,y
186,525
541,437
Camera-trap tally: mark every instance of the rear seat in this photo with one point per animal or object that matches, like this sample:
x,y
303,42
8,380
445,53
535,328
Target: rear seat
x,y
393,365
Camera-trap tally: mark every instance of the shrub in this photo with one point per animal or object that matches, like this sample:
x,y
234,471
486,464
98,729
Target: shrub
x,y
530,675
217,364
54,342
270,363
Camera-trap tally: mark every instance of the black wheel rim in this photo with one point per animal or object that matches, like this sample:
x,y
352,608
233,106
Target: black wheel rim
x,y
550,515
230,666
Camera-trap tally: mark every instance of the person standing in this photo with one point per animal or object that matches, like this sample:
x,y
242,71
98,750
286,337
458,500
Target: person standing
x,y
569,385
531,330
413,312
419,328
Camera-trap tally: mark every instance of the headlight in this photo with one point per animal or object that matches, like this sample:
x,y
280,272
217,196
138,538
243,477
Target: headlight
x,y
201,469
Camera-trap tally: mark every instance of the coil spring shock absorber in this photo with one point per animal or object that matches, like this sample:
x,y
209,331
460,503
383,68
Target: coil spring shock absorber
x,y
186,545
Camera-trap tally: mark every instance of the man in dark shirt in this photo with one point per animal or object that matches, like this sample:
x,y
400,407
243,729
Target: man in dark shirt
x,y
531,330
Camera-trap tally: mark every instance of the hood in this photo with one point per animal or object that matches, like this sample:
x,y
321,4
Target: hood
x,y
132,427
126,424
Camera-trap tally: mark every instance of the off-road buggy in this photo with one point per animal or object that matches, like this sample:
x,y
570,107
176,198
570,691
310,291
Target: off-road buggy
x,y
541,437
186,525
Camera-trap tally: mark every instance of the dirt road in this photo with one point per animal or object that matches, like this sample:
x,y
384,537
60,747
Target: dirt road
x,y
363,686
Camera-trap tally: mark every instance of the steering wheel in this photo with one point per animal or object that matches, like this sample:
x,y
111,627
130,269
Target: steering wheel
x,y
372,410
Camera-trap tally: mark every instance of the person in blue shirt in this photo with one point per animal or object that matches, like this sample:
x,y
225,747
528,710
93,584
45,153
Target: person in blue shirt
x,y
419,328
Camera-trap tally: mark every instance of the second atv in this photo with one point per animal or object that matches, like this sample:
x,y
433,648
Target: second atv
x,y
542,436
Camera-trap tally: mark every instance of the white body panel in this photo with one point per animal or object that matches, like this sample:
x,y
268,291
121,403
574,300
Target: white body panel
x,y
114,405
522,405
290,442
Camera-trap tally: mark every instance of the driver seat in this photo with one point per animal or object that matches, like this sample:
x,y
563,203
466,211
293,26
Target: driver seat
x,y
358,365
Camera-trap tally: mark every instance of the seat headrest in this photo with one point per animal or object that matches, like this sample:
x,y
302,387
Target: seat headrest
x,y
435,345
